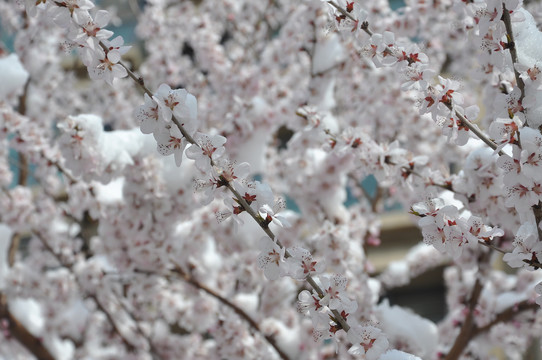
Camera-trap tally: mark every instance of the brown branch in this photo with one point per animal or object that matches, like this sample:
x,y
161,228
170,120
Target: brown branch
x,y
466,123
373,201
32,343
270,339
23,162
113,323
100,306
512,47
467,329
474,129
336,315
532,263
13,247
342,11
507,315
139,80
491,246
537,212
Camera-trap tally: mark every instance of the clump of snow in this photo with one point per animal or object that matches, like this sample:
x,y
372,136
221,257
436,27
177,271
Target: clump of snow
x,y
327,54
13,76
287,337
61,349
405,327
398,355
527,40
29,313
94,154
5,240
109,193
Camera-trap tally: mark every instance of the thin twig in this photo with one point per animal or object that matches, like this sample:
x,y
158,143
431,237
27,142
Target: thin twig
x,y
100,306
342,11
507,315
537,209
373,201
474,129
338,318
32,343
270,339
491,246
23,161
513,52
467,329
153,350
13,247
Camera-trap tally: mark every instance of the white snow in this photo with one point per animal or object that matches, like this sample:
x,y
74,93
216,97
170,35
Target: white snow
x,y
12,75
5,240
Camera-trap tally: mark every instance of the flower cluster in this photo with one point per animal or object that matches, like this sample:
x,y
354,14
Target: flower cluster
x,y
300,124
156,117
444,228
86,32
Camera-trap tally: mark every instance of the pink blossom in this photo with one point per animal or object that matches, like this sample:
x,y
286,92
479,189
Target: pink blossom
x,y
271,258
301,264
207,150
367,341
526,247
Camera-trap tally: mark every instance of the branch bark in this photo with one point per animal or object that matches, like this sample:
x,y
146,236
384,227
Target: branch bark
x,y
271,340
467,329
32,343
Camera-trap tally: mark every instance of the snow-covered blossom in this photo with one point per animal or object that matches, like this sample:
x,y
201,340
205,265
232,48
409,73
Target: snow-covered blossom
x,y
523,194
430,207
505,130
343,22
531,153
419,77
231,171
221,174
168,134
538,289
322,99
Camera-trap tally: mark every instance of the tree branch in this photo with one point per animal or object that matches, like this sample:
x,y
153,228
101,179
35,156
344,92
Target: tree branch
x,y
270,339
513,52
467,329
507,315
32,343
100,306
